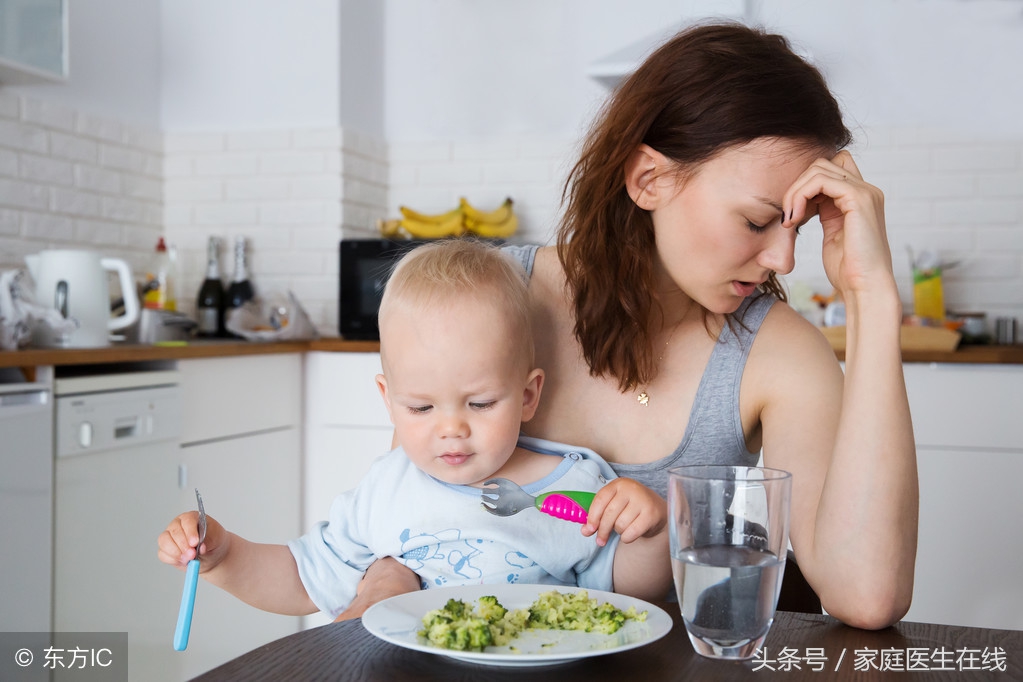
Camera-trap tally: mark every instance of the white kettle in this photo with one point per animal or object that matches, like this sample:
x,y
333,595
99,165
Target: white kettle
x,y
75,283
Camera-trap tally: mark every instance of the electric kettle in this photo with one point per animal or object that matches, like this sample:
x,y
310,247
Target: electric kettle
x,y
76,284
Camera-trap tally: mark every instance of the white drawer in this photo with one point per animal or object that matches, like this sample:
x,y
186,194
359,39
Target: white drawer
x,y
230,396
965,406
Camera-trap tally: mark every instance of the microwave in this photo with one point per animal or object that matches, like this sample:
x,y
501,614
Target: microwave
x,y
365,265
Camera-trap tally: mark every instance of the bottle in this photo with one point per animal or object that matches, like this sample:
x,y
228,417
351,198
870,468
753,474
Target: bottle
x,y
211,300
160,280
241,290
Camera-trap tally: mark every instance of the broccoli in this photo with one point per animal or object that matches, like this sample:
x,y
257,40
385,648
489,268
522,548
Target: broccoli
x,y
489,609
459,626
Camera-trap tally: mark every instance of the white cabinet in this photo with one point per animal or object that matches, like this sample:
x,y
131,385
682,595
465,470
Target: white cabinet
x,y
970,459
241,447
346,428
33,41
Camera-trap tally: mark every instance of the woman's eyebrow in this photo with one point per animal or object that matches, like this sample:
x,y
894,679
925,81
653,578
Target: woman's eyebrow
x,y
770,202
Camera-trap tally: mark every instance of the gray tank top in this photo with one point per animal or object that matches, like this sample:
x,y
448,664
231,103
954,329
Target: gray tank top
x,y
714,434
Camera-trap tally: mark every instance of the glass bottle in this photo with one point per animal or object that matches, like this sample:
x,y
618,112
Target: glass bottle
x,y
211,300
241,289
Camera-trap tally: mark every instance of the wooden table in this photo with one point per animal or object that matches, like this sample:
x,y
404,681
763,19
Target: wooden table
x,y
816,644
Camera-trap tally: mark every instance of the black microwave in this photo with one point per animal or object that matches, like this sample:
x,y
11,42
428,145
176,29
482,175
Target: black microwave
x,y
365,265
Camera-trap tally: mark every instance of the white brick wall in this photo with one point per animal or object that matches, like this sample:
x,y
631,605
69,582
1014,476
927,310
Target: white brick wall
x,y
70,179
960,196
431,176
288,191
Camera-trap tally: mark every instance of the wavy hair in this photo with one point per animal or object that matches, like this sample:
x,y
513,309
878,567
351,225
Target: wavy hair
x,y
709,88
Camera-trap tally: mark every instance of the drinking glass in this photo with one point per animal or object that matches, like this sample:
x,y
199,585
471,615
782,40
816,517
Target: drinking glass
x,y
729,536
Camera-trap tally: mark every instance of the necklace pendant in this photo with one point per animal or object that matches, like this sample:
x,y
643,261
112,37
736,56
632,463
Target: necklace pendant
x,y
643,398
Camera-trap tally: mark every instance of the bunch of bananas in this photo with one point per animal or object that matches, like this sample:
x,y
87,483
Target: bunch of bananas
x,y
499,223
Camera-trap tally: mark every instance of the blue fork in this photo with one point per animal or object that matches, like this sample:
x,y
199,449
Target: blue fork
x,y
191,581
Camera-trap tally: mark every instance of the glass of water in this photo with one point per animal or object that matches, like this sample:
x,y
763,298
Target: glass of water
x,y
729,537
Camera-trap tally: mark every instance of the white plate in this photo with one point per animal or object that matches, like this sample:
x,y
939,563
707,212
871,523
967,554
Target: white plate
x,y
399,619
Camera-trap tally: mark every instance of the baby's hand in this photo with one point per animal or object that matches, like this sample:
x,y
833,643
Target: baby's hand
x,y
177,544
628,507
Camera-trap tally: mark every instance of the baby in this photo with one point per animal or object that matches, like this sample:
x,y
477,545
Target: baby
x,y
458,381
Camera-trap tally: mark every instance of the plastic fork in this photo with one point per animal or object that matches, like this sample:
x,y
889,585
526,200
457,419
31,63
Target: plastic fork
x,y
191,581
504,498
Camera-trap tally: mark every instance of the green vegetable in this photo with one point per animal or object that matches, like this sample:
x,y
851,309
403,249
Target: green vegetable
x,y
461,627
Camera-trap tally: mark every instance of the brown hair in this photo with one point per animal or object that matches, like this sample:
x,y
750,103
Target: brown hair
x,y
464,268
709,88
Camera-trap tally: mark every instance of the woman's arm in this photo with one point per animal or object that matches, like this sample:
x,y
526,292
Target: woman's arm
x,y
849,443
384,578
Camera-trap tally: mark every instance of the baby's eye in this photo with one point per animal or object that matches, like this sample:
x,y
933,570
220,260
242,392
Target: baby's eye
x,y
486,405
419,409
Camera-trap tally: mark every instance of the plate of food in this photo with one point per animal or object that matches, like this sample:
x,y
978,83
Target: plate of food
x,y
516,625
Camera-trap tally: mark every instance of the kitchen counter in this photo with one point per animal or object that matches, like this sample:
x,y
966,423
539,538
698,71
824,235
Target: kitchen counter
x,y
34,357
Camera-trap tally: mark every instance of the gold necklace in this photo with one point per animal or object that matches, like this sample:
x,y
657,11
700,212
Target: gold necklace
x,y
644,397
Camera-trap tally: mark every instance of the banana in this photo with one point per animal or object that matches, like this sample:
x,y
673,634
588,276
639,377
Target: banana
x,y
420,229
496,230
389,228
474,216
409,214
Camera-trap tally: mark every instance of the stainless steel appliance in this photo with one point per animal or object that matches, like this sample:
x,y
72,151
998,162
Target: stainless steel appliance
x,y
26,503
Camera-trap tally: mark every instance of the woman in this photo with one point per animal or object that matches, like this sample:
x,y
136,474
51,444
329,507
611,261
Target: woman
x,y
660,325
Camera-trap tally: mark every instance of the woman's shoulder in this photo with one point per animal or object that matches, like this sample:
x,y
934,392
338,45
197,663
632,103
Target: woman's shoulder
x,y
784,328
787,342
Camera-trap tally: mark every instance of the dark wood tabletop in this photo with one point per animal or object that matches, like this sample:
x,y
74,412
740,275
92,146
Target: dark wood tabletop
x,y
798,647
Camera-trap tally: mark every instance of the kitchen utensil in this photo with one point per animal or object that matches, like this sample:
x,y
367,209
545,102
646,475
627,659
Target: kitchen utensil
x,y
191,581
729,531
76,284
504,498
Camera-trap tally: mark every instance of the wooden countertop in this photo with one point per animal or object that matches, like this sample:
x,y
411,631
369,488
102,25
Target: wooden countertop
x,y
34,357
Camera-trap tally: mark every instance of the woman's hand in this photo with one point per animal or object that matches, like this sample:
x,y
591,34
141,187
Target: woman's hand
x,y
179,543
384,578
857,257
628,507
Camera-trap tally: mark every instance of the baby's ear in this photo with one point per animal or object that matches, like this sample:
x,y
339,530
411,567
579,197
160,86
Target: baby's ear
x,y
382,387
531,394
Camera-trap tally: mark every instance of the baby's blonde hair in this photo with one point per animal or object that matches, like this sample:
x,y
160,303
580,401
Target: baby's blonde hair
x,y
463,268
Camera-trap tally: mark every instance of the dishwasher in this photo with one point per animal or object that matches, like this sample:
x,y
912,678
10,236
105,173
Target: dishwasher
x,y
117,486
26,502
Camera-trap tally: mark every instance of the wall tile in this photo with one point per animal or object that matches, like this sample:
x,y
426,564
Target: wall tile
x,y
46,170
17,194
8,163
74,148
47,226
10,105
48,115
24,137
